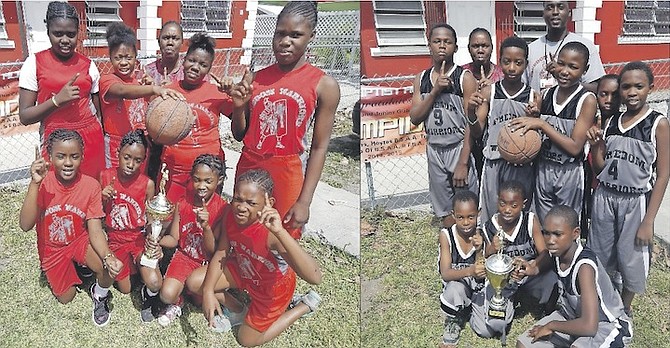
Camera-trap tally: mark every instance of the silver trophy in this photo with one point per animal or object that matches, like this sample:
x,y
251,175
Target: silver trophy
x,y
159,210
498,269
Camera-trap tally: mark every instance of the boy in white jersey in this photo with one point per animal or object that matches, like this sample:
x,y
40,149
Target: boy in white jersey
x,y
567,112
634,166
438,103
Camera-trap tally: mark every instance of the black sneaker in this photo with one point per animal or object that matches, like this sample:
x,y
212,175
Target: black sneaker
x,y
149,306
101,310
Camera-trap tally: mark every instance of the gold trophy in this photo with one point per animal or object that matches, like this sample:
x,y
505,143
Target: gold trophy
x,y
159,209
498,268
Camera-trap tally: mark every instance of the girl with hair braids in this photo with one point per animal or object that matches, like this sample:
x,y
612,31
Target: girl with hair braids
x,y
274,111
57,86
123,96
208,102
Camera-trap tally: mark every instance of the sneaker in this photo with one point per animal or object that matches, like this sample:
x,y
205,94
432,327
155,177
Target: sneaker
x,y
235,318
170,313
221,324
101,311
452,331
312,300
149,310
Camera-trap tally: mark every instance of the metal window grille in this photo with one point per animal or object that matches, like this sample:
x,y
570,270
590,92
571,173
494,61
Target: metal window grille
x,y
400,23
209,16
528,22
98,16
3,30
646,18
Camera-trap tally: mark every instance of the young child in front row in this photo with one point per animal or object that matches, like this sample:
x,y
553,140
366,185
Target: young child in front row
x,y
567,112
591,312
461,266
522,241
126,190
194,230
257,254
439,92
488,110
633,166
66,206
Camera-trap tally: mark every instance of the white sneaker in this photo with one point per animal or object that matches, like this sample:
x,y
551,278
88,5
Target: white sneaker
x,y
170,313
311,299
227,321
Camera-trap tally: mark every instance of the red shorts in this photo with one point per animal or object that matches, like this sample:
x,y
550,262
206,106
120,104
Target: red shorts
x,y
58,264
286,172
127,246
94,148
267,304
112,144
181,266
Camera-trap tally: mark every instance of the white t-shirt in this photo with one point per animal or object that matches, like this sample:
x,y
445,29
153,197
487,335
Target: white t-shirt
x,y
28,75
538,56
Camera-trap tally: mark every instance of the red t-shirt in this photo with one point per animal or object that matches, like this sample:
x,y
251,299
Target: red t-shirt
x,y
256,264
191,240
282,107
126,211
495,76
120,116
207,104
63,211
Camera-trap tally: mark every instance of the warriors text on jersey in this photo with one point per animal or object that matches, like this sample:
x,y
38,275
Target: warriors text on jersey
x,y
446,122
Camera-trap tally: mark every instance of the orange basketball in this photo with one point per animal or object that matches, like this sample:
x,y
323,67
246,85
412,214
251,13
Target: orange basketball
x,y
517,148
169,120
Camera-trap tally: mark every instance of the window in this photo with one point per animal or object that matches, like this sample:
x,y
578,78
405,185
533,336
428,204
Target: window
x,y
210,16
528,21
401,27
4,38
650,19
98,16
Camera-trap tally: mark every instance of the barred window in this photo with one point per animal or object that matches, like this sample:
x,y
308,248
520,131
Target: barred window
x,y
4,38
99,14
400,25
646,19
528,20
210,16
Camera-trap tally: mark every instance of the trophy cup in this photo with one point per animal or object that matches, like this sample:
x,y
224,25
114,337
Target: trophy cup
x,y
498,268
159,209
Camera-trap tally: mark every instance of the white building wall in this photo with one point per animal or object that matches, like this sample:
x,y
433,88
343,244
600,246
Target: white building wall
x,y
464,16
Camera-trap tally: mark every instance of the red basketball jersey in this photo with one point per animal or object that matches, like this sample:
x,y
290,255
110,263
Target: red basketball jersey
x,y
120,116
52,75
282,107
257,265
191,240
126,211
63,211
207,104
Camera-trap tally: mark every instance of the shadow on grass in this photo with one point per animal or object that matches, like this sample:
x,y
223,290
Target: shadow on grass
x,y
347,145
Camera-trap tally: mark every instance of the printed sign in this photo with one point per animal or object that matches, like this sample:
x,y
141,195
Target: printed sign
x,y
9,110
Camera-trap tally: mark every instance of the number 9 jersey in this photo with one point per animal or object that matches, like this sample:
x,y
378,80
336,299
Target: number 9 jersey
x,y
445,124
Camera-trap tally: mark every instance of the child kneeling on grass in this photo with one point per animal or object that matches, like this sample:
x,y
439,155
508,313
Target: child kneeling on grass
x,y
257,254
66,206
591,312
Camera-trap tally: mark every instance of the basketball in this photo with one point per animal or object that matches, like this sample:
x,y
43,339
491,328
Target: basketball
x,y
169,120
516,148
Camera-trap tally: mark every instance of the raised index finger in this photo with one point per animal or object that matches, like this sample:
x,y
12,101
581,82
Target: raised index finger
x,y
247,77
481,72
37,152
267,200
218,80
73,79
442,68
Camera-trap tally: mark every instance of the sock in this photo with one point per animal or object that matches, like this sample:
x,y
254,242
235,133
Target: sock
x,y
99,292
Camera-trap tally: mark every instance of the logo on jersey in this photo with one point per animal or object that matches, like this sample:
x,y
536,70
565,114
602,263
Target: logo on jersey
x,y
273,120
247,270
61,228
120,216
193,246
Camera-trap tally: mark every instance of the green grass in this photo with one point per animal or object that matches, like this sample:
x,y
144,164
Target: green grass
x,y
31,316
401,289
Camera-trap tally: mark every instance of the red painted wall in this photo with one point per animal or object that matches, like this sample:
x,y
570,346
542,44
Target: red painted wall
x,y
611,17
13,32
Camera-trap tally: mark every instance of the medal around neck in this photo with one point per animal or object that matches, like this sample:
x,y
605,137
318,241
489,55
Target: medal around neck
x,y
159,210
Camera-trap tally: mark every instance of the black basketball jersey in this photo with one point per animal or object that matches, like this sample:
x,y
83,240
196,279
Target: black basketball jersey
x,y
610,306
445,125
630,154
503,107
521,242
563,118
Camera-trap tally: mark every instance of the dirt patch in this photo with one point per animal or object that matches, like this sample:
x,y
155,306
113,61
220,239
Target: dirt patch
x,y
369,290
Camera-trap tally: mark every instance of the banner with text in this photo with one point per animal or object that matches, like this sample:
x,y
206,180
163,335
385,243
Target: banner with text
x,y
9,110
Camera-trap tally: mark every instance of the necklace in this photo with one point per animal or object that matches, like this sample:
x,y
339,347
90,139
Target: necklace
x,y
546,61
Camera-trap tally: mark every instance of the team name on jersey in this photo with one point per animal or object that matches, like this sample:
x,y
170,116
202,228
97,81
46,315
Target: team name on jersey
x,y
503,118
202,108
444,131
302,108
623,155
444,105
624,188
68,207
263,94
518,251
459,266
269,265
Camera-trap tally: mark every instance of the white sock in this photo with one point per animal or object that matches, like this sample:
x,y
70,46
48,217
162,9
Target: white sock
x,y
151,293
99,291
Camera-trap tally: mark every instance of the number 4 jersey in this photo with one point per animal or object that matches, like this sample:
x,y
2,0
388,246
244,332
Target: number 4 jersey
x,y
445,124
630,154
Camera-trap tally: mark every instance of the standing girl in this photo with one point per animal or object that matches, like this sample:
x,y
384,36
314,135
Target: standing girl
x,y
65,204
57,86
123,97
195,228
285,99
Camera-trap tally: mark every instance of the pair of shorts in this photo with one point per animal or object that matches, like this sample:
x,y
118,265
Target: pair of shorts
x,y
127,246
267,304
442,162
609,334
58,264
181,266
557,183
287,175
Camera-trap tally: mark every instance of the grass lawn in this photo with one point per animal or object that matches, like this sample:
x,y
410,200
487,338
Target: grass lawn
x,y
31,316
400,289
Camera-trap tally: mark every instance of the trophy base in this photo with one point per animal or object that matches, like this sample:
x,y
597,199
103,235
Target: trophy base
x,y
497,308
148,262
496,314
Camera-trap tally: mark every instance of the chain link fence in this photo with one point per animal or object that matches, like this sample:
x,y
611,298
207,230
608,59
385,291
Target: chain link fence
x,y
402,182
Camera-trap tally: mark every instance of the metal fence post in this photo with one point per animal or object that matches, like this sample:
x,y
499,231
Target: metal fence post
x,y
371,185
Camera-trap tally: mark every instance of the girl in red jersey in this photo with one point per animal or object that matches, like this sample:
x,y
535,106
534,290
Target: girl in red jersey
x,y
283,101
65,204
57,86
194,230
123,97
124,195
257,254
208,102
